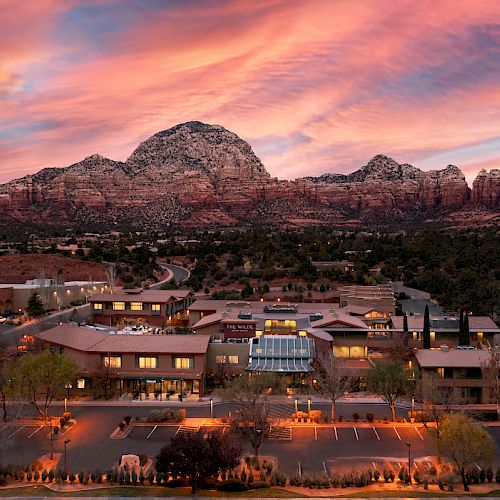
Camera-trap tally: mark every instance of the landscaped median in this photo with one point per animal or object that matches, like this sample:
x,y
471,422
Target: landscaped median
x,y
164,416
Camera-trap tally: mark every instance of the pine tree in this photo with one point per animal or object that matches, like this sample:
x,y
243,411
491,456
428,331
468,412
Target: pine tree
x,y
466,330
461,329
426,333
35,305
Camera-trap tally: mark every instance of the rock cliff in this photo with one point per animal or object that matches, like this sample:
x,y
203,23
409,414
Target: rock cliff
x,y
202,175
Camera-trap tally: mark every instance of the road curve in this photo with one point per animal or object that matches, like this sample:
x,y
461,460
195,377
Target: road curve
x,y
180,273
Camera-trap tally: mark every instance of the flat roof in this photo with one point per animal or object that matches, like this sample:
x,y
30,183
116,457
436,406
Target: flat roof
x,y
87,339
450,323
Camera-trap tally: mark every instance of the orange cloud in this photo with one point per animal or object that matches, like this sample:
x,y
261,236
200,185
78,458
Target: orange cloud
x,y
316,86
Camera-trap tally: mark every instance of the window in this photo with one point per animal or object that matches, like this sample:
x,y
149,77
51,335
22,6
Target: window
x,y
220,359
302,333
97,306
80,383
147,361
234,360
136,306
156,307
118,306
183,363
113,361
440,372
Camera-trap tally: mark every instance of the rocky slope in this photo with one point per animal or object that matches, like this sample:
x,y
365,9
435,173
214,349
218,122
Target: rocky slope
x,y
202,175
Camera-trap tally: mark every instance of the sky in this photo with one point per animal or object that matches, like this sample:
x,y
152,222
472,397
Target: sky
x,y
314,86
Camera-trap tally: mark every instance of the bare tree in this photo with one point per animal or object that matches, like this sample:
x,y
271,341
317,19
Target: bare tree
x,y
491,373
111,275
44,286
58,286
332,379
253,419
88,290
104,375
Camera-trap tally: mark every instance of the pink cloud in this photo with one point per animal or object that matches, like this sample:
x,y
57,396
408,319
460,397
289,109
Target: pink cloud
x,y
356,78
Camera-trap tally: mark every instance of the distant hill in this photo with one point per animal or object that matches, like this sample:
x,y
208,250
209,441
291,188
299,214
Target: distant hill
x,y
196,175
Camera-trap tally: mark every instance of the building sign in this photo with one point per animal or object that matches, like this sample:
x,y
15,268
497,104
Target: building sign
x,y
239,329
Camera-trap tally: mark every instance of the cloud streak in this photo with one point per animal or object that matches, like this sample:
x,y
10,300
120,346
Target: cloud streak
x,y
314,86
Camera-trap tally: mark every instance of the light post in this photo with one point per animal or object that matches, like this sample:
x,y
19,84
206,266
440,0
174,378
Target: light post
x,y
66,441
65,405
212,409
413,408
409,458
309,405
296,405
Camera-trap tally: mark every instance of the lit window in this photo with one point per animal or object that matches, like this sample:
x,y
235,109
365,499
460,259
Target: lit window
x,y
118,306
147,361
156,307
113,361
302,333
183,363
221,359
433,335
97,306
234,360
136,306
80,383
440,372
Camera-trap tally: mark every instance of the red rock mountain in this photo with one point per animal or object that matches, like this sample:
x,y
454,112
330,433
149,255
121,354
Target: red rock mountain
x,y
201,175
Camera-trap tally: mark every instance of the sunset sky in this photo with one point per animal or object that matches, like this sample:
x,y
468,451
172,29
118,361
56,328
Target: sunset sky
x,y
314,85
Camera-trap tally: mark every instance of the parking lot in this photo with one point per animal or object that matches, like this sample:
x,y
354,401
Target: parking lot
x,y
314,447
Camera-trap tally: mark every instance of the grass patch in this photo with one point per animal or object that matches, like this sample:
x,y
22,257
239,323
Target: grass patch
x,y
141,491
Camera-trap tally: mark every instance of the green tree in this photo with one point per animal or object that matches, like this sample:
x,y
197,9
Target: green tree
x,y
39,378
35,305
426,333
199,455
250,395
390,381
491,372
465,443
466,329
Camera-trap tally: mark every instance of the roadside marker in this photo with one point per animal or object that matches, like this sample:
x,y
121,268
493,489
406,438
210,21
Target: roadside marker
x,y
336,435
397,433
315,433
324,468
149,435
34,432
376,433
356,433
418,432
15,432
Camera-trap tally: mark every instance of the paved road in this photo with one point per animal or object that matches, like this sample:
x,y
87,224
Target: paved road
x,y
180,273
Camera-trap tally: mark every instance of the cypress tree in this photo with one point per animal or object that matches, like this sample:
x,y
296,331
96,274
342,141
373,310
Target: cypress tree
x,y
405,329
461,329
426,333
466,330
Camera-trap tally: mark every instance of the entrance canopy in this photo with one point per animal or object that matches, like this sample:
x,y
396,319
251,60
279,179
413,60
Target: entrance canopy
x,y
281,353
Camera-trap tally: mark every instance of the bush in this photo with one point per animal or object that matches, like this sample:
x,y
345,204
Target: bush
x,y
141,477
151,477
482,476
121,425
243,475
295,481
178,482
232,485
497,476
72,478
44,476
127,419
260,484
29,477
52,475
370,417
387,474
67,416
376,475
134,477
208,483
355,416
250,477
181,415
143,459
489,474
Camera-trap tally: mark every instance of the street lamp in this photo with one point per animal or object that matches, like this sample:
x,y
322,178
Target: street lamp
x,y
212,409
309,405
66,441
296,405
409,458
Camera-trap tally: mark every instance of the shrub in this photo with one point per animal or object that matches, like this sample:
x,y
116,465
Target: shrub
x,y
177,482
160,478
134,477
243,475
36,476
121,478
250,477
127,419
260,484
387,474
29,477
141,477
67,415
62,422
232,485
44,476
52,475
98,476
295,481
482,476
143,459
151,477
497,476
72,478
121,425
93,477
209,483
489,474
376,475
181,415
370,417
355,416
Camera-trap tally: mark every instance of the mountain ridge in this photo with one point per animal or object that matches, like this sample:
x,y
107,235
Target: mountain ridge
x,y
202,175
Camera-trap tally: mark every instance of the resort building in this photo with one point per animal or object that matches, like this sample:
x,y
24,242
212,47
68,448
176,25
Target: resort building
x,y
159,308
14,296
135,365
460,372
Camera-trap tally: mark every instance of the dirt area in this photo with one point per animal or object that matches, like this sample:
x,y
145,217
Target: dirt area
x,y
21,267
